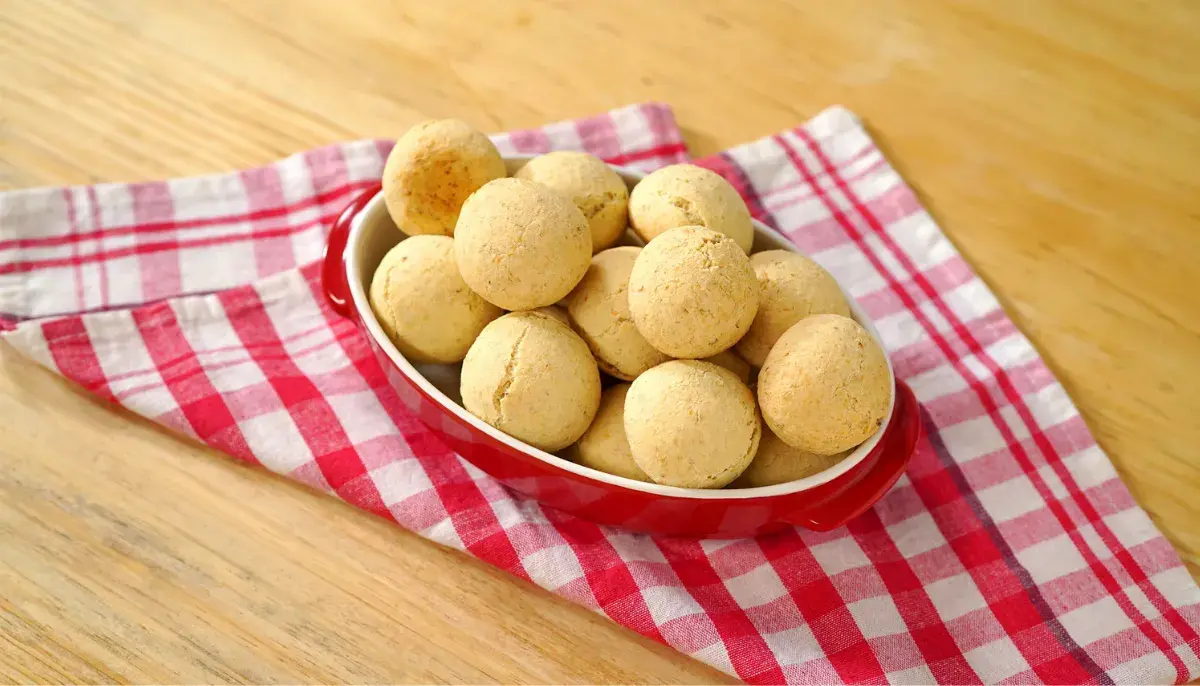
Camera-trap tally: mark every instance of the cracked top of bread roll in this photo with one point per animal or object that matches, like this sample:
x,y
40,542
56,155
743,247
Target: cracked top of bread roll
x,y
433,168
791,287
595,188
687,195
532,377
691,424
692,292
521,245
825,386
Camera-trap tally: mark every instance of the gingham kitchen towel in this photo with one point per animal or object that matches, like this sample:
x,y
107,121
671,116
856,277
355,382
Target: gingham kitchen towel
x,y
1010,552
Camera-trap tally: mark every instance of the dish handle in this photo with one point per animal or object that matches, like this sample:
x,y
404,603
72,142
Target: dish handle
x,y
334,281
895,450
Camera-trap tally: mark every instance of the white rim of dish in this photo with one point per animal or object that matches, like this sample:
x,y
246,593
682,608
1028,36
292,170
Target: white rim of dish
x,y
375,208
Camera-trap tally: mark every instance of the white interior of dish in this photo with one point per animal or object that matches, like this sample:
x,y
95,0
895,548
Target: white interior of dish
x,y
373,234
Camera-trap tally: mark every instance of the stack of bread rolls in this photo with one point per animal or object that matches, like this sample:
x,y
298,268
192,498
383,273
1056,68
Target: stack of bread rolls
x,y
688,360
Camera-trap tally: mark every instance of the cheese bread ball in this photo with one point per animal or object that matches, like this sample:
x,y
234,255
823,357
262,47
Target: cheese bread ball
x,y
532,377
595,188
729,360
790,288
423,304
599,308
778,463
691,424
604,445
521,245
692,292
825,386
687,195
432,170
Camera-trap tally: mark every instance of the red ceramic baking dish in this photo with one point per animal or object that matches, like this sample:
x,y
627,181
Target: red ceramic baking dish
x,y
364,233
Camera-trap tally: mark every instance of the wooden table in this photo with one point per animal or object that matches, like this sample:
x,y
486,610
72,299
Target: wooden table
x,y
1057,141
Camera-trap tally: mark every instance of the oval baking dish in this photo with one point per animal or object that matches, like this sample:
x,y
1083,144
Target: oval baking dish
x,y
361,236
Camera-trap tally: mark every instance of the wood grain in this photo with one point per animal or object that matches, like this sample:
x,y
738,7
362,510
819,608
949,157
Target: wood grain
x,y
1056,141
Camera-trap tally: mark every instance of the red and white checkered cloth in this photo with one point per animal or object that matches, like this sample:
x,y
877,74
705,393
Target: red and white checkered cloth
x,y
1010,552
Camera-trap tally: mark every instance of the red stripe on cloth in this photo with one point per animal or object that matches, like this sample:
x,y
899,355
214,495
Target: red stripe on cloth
x,y
155,276
529,141
933,639
74,356
749,654
209,367
823,608
468,508
115,307
806,190
911,305
599,136
993,410
469,511
724,164
461,498
606,573
1017,449
970,550
889,207
947,276
97,226
1001,375
669,151
161,273
384,147
199,402
318,199
310,410
240,350
172,246
967,549
729,168
660,119
264,192
975,552
73,238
